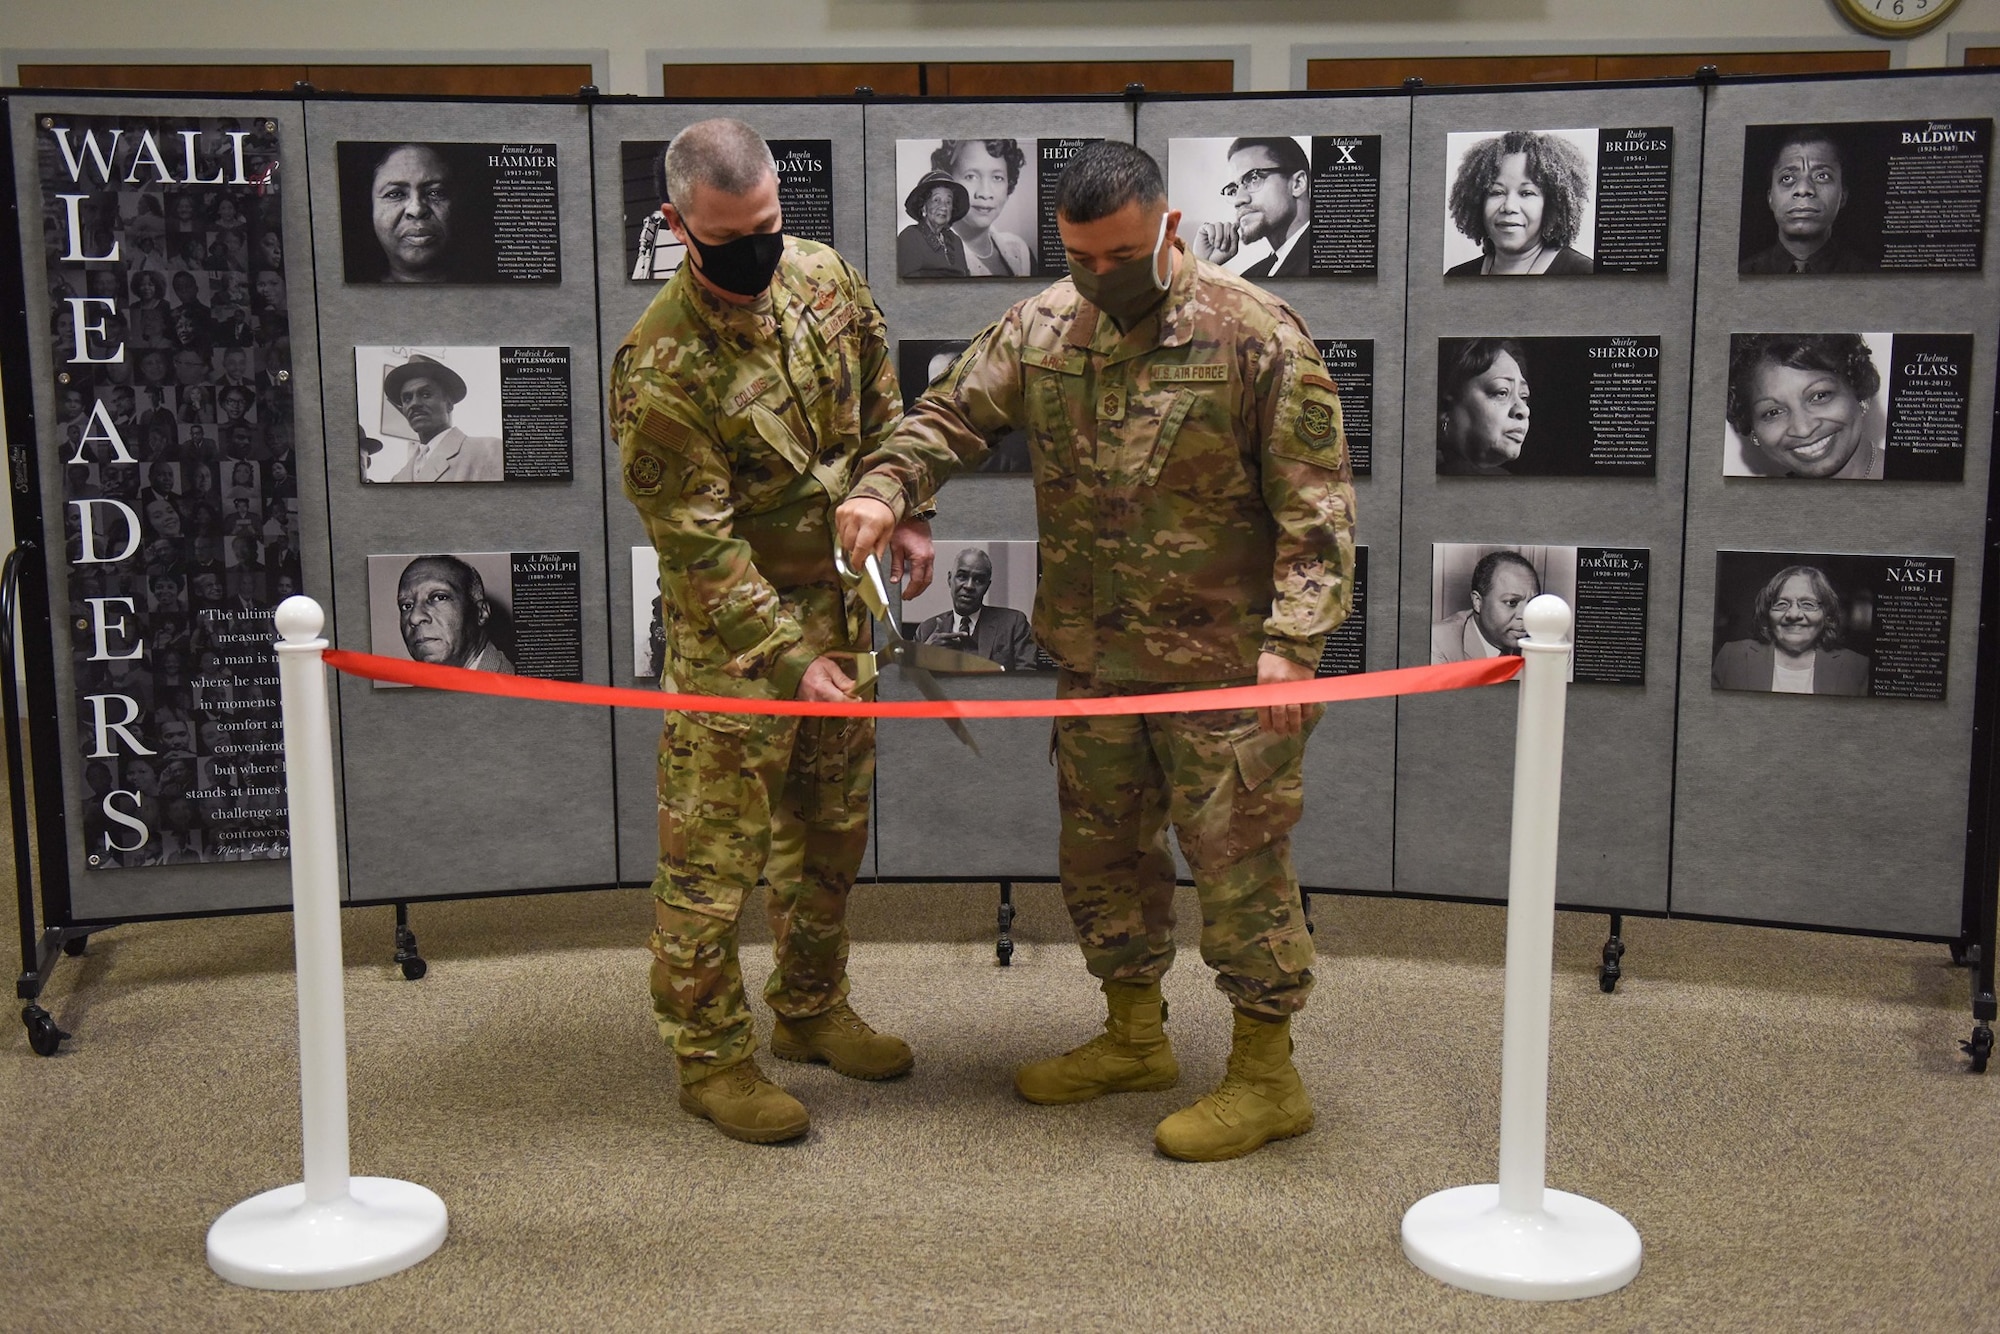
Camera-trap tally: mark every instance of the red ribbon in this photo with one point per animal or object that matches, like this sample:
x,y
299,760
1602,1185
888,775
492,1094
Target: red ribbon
x,y
1323,690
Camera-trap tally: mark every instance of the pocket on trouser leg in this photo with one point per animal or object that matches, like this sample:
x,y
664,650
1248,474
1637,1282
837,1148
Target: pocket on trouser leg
x,y
697,985
833,761
1254,934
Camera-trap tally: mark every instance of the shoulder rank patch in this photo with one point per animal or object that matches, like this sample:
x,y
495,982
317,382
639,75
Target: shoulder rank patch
x,y
1315,421
643,474
751,392
1188,374
1310,380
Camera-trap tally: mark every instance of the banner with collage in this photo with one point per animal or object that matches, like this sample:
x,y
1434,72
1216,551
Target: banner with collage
x,y
164,257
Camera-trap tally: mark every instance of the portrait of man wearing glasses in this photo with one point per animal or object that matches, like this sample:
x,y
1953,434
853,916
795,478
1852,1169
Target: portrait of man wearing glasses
x,y
1270,187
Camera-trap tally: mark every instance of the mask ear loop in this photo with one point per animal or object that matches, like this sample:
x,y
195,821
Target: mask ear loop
x,y
1153,271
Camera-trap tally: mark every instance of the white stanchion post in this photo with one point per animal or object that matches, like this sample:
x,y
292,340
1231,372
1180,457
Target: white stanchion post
x,y
1517,1238
330,1230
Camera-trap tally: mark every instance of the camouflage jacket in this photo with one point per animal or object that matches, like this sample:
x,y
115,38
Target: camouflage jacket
x,y
738,430
1191,480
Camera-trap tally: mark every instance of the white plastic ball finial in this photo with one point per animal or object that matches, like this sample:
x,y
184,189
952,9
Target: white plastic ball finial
x,y
299,618
1548,619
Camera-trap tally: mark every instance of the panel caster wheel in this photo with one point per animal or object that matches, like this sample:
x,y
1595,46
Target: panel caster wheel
x,y
44,1038
407,958
1004,952
1979,1048
1612,969
76,945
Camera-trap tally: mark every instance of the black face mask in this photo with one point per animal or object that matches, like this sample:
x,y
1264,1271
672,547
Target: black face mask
x,y
743,266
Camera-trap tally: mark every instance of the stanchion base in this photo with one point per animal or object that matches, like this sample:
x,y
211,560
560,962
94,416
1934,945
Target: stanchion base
x,y
1572,1247
277,1240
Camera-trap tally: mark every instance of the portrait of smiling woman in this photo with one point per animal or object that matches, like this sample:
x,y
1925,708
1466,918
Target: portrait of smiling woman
x,y
1521,197
990,171
1797,625
1482,406
1804,405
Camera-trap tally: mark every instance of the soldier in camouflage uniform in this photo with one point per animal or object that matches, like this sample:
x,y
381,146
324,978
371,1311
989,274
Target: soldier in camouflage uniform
x,y
1196,512
742,402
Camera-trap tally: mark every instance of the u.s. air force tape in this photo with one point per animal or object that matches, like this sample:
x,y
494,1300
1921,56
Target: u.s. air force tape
x,y
1323,690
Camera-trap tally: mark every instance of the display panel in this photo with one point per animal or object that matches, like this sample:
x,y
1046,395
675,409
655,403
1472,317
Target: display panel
x,y
1902,760
1600,466
523,342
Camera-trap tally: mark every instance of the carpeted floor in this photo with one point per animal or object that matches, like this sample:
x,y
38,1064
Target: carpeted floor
x,y
1783,1116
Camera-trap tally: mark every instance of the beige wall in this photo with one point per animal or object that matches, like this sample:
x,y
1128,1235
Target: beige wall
x,y
1040,29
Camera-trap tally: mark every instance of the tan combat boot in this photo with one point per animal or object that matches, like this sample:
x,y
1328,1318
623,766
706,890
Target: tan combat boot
x,y
744,1105
1131,1055
842,1039
1260,1099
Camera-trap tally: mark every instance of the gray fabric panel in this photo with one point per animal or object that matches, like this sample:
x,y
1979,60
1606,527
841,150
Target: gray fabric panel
x,y
622,301
1345,839
1836,812
1454,753
457,794
998,808
143,891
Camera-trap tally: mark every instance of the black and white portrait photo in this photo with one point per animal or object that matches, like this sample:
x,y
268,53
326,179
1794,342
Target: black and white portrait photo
x,y
1280,206
1520,202
980,602
921,362
1863,196
453,610
1246,203
1480,594
1559,406
429,414
449,213
1822,623
970,208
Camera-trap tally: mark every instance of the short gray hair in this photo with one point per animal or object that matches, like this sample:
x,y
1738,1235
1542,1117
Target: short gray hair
x,y
721,154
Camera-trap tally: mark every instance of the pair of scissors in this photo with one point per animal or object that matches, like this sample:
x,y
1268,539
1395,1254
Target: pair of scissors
x,y
917,661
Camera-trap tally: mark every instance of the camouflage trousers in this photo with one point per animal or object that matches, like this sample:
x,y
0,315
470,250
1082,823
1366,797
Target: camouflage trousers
x,y
1232,793
745,796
